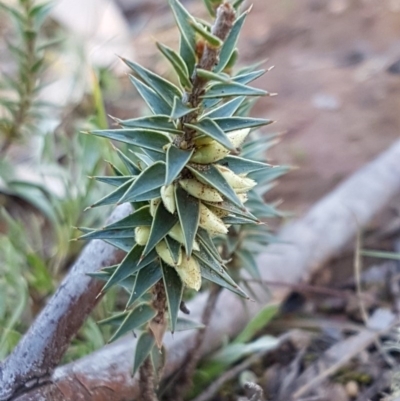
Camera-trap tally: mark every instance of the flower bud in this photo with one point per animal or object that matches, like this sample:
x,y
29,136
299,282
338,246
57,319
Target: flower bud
x,y
142,234
210,222
168,197
189,272
200,190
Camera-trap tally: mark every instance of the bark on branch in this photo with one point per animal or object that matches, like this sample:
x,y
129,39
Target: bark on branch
x,y
41,349
305,245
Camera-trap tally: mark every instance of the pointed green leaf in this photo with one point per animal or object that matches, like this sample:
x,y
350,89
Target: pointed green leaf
x,y
237,220
271,174
212,76
153,123
140,217
221,90
177,159
249,77
108,234
125,244
174,248
178,64
158,359
140,159
239,165
208,127
233,210
146,138
174,289
210,275
189,215
212,40
115,169
180,109
155,103
114,196
147,182
248,262
135,318
214,178
188,36
228,124
143,348
162,223
184,324
130,265
227,109
115,320
133,169
207,242
156,156
114,181
145,279
205,257
161,86
230,43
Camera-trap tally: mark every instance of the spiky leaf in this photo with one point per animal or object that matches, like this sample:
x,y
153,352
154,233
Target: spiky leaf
x,y
145,279
153,123
214,178
176,161
180,109
227,109
162,223
146,138
143,348
130,265
174,249
177,63
148,182
188,37
249,77
221,90
114,196
230,43
140,217
239,165
114,181
165,89
228,124
155,103
208,127
135,318
189,215
174,289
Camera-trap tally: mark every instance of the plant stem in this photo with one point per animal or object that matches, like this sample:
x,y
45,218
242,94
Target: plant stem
x,y
146,381
157,327
221,28
183,381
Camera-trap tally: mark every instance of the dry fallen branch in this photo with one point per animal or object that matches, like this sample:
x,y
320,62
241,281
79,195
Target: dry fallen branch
x,y
43,346
305,245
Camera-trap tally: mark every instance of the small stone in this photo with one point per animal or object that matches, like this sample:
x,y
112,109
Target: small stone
x,y
352,389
